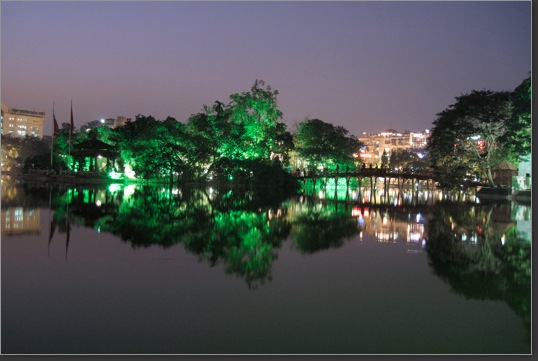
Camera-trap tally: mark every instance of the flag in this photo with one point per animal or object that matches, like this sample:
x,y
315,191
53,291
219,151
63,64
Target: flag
x,y
56,132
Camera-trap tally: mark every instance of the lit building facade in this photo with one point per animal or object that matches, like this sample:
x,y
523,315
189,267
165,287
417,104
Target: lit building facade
x,y
21,122
109,122
375,144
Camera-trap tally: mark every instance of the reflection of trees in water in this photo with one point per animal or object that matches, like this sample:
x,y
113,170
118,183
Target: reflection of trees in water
x,y
233,227
238,228
479,256
317,226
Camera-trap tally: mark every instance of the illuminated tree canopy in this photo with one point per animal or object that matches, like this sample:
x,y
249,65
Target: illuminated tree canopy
x,y
322,144
466,137
518,134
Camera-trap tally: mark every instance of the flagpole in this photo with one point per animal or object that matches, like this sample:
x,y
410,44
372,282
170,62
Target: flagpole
x,y
52,139
50,211
70,131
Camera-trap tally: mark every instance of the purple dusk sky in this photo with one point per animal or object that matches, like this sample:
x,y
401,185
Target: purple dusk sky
x,y
367,66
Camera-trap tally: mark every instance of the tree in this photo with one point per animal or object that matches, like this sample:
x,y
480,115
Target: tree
x,y
517,138
25,152
153,149
235,140
384,159
323,144
256,114
466,137
408,159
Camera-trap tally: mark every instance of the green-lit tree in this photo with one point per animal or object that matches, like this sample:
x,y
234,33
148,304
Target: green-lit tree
x,y
256,114
322,144
517,137
240,141
154,149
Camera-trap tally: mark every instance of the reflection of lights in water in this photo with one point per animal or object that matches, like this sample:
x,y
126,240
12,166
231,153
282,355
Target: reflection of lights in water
x,y
423,242
464,237
321,195
419,217
114,188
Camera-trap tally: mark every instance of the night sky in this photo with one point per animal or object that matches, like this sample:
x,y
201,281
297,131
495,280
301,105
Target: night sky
x,y
367,66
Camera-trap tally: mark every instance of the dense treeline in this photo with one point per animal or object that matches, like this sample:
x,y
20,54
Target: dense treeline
x,y
478,132
242,141
246,141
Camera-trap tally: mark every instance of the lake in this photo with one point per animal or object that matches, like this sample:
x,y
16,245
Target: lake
x,y
155,270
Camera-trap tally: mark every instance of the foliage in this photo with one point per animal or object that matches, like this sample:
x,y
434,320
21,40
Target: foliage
x,y
255,114
26,152
322,144
408,160
384,159
465,139
231,141
154,149
517,138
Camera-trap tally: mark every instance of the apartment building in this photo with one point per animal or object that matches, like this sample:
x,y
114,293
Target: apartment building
x,y
390,141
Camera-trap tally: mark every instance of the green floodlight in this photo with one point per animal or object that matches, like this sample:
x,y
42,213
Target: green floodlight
x,y
114,175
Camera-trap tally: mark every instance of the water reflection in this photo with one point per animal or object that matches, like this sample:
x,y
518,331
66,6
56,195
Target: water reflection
x,y
481,252
20,221
243,229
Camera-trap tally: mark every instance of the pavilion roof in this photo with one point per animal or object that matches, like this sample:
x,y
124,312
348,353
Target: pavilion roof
x,y
94,144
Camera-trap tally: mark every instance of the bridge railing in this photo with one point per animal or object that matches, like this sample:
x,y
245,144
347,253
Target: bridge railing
x,y
365,172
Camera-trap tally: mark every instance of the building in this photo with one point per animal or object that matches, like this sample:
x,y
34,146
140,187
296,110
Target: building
x,y
523,179
21,122
109,122
121,121
389,141
503,173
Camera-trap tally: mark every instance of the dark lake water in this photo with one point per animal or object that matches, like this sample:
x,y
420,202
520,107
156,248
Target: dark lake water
x,y
150,270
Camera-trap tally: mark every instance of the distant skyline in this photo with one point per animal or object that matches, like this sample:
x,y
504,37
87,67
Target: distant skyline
x,y
366,66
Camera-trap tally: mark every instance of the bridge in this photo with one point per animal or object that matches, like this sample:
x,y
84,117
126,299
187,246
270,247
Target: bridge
x,y
389,177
